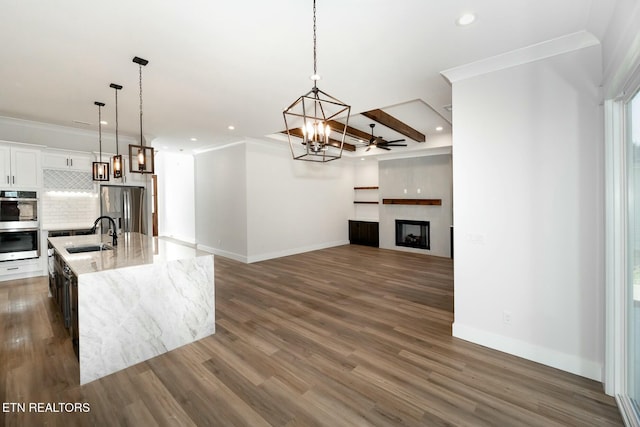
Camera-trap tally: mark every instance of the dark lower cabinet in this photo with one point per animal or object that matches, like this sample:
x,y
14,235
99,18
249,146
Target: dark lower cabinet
x,y
65,294
364,233
58,291
73,305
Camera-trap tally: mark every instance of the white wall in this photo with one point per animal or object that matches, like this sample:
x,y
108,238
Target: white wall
x,y
176,196
426,177
295,206
253,202
221,201
528,211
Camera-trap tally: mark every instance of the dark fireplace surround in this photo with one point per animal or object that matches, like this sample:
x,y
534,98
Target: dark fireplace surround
x,y
412,234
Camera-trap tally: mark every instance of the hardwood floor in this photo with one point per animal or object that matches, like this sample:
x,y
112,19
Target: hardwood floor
x,y
348,336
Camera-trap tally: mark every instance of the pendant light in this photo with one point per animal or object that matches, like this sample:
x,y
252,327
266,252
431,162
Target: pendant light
x,y
100,168
309,116
140,156
117,159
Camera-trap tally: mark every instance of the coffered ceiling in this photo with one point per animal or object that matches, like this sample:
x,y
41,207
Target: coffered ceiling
x,y
240,63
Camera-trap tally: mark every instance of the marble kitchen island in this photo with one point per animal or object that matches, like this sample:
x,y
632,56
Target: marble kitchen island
x,y
144,297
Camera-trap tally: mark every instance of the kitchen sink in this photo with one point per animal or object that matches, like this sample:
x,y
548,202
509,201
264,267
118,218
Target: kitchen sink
x,y
87,248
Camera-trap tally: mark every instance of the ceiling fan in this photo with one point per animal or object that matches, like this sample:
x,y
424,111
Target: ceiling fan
x,y
381,143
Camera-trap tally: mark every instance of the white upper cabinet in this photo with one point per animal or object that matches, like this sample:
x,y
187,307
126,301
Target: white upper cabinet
x,y
5,165
71,160
20,167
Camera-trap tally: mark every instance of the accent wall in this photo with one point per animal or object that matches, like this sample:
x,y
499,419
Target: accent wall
x,y
425,177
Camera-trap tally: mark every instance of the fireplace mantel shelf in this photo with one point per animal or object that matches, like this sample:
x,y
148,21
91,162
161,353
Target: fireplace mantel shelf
x,y
434,202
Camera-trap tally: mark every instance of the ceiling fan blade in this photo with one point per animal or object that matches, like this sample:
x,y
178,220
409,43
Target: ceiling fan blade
x,y
395,140
368,148
384,147
395,145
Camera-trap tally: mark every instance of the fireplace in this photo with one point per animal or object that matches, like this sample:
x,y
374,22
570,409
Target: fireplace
x,y
412,234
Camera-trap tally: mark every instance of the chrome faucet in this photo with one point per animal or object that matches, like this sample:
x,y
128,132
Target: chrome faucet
x,y
114,235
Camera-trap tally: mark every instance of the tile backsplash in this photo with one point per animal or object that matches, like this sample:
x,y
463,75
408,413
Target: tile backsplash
x,y
55,179
67,209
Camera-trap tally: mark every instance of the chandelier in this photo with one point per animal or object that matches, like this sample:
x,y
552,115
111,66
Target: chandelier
x,y
307,119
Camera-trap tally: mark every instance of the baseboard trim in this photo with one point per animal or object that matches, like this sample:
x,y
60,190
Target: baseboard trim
x,y
543,355
182,239
295,251
271,255
220,252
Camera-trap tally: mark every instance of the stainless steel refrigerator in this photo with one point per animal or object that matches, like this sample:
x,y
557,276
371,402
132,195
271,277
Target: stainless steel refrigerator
x,y
126,206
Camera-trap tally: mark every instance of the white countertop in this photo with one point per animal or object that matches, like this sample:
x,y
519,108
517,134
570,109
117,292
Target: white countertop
x,y
133,249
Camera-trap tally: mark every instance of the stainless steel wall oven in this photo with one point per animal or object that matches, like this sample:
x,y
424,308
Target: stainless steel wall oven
x,y
19,225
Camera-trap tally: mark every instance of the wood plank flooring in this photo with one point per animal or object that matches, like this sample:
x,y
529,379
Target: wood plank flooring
x,y
347,336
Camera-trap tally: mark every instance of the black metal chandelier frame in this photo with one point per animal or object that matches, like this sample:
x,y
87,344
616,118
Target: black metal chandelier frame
x,y
308,119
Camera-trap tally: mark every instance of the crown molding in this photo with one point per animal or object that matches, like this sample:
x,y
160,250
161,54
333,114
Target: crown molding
x,y
535,52
50,127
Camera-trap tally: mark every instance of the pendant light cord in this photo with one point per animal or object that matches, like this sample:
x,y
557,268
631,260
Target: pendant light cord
x,y
117,153
141,139
315,55
100,130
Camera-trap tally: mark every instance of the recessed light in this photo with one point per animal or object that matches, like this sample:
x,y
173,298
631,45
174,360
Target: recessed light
x,y
194,139
466,19
103,122
439,128
231,127
362,158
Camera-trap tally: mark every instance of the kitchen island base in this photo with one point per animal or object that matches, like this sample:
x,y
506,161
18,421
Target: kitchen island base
x,y
130,315
134,301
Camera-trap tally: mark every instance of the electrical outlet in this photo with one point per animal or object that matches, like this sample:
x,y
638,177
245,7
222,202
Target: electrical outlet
x,y
506,317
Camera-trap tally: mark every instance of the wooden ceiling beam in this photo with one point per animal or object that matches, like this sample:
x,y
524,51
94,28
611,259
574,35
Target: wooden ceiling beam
x,y
391,122
356,133
333,142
